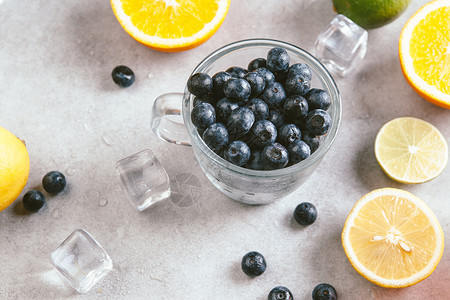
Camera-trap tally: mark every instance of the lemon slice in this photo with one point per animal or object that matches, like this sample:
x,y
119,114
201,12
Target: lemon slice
x,y
392,238
170,25
411,150
424,49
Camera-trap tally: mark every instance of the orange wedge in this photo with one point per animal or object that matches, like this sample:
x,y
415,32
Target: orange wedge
x,y
170,25
424,50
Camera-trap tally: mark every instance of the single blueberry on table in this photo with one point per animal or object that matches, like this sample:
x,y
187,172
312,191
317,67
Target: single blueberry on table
x,y
268,76
274,156
54,182
237,89
224,107
300,69
305,213
219,80
276,116
203,115
256,64
33,200
253,264
216,136
257,83
297,85
237,152
298,151
255,161
123,76
236,72
274,95
317,122
312,141
324,291
277,59
318,99
296,107
259,108
288,133
200,84
239,122
263,133
280,293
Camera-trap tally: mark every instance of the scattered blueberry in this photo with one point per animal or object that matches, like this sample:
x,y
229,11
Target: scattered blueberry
x,y
33,200
216,136
256,64
288,133
298,151
300,69
297,85
280,293
268,76
203,115
218,81
237,152
257,83
276,116
264,133
274,95
236,72
123,76
317,122
312,141
318,99
324,291
200,84
296,107
237,89
274,156
54,182
253,264
259,108
240,121
255,161
305,213
224,107
277,60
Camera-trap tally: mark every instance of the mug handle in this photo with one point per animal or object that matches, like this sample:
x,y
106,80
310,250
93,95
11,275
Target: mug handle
x,y
167,119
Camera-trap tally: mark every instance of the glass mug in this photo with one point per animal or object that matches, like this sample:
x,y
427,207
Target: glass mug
x,y
171,121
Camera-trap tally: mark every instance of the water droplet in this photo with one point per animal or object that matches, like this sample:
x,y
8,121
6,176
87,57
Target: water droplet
x,y
73,155
103,202
70,171
91,52
87,127
176,230
56,213
107,140
150,75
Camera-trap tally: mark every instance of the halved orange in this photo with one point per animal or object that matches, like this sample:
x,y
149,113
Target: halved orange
x,y
424,50
170,25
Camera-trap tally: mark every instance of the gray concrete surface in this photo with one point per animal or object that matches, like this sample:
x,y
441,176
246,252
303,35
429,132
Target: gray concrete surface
x,y
56,93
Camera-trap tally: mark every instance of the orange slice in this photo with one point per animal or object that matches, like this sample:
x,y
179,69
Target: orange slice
x,y
424,50
170,25
392,238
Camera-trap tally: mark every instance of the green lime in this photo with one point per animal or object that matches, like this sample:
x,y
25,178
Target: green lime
x,y
371,13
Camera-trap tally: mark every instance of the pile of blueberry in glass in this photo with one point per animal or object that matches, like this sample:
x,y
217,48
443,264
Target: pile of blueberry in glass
x,y
266,117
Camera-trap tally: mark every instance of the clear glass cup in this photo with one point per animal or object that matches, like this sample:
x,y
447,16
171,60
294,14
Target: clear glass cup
x,y
171,121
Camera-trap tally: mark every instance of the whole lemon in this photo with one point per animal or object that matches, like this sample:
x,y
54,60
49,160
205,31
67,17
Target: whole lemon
x,y
370,13
14,167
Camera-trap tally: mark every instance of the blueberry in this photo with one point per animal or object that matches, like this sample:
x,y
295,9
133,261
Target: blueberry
x,y
208,99
276,116
296,107
274,156
224,107
277,60
300,69
255,161
33,200
305,213
317,122
280,293
200,84
123,76
216,136
312,141
298,151
236,72
259,108
54,182
256,64
274,95
203,115
288,133
280,76
257,83
240,121
297,85
318,99
268,76
219,80
237,152
324,291
253,264
264,133
237,89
